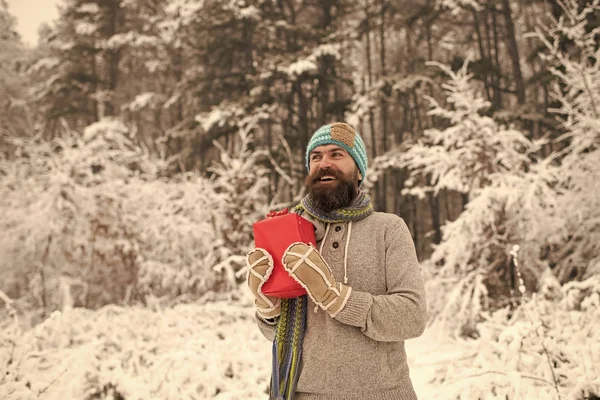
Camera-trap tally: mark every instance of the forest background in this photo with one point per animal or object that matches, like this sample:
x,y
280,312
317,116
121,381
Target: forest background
x,y
140,139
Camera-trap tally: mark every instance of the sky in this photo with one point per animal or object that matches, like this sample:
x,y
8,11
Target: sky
x,y
30,14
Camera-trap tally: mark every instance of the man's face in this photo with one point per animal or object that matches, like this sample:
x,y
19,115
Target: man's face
x,y
333,178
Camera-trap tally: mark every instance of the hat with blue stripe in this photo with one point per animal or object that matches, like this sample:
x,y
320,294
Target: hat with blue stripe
x,y
342,135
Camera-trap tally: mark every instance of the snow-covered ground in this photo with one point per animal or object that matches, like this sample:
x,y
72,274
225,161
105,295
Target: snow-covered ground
x,y
213,350
208,351
425,355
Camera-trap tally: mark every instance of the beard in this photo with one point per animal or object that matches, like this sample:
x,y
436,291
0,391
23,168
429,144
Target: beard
x,y
329,197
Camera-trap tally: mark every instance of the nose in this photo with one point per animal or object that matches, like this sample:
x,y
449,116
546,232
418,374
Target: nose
x,y
325,164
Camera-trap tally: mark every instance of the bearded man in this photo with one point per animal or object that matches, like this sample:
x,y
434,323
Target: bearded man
x,y
364,280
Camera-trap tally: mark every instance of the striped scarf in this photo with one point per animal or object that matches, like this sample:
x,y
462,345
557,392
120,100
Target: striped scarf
x,y
360,208
287,346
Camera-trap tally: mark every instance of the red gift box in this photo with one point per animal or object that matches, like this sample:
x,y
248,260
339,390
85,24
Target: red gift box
x,y
275,234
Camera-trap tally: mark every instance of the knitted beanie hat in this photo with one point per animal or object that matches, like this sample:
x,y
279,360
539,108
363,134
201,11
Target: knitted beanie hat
x,y
344,136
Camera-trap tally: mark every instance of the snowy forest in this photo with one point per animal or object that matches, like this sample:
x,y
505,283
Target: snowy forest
x,y
141,139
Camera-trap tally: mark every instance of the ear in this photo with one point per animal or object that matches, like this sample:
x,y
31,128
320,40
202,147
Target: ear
x,y
360,176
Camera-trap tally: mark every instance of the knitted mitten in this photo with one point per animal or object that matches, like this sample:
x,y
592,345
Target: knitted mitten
x,y
260,266
305,264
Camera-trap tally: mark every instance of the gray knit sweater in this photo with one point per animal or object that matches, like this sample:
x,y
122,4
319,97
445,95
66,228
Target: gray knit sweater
x,y
360,354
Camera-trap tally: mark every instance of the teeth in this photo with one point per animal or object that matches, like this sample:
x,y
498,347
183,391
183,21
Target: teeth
x,y
323,178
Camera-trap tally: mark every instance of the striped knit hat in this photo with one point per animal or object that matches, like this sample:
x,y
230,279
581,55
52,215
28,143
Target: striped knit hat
x,y
344,136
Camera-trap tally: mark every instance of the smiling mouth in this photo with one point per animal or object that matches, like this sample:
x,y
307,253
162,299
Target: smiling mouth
x,y
327,178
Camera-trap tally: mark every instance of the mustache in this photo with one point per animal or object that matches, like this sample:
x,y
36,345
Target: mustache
x,y
325,171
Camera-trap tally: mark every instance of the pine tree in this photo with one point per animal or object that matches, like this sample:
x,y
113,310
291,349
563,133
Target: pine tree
x,y
510,201
14,114
574,253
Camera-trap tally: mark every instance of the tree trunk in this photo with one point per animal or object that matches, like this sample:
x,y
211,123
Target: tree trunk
x,y
370,80
177,63
434,206
95,103
513,50
482,54
112,58
384,116
43,264
488,44
303,125
498,72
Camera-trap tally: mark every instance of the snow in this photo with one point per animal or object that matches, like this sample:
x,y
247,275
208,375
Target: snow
x,y
324,50
184,10
299,67
172,100
85,28
46,63
250,13
215,117
66,46
212,349
361,105
310,63
144,100
132,39
456,6
108,126
88,8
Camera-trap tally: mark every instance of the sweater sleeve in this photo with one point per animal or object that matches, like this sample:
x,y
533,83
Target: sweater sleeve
x,y
401,313
268,329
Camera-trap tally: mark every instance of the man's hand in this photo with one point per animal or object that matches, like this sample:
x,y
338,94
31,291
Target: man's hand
x,y
306,265
260,266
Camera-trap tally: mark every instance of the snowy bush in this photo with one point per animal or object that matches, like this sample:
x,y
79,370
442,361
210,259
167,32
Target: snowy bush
x,y
211,350
463,156
549,207
577,254
472,264
241,180
242,183
63,217
91,220
511,200
543,349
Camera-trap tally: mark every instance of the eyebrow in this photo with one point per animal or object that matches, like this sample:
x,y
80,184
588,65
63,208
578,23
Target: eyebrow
x,y
329,151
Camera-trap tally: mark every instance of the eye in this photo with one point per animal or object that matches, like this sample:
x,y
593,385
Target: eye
x,y
338,154
315,157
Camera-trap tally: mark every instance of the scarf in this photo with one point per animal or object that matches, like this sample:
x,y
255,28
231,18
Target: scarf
x,y
287,346
360,208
